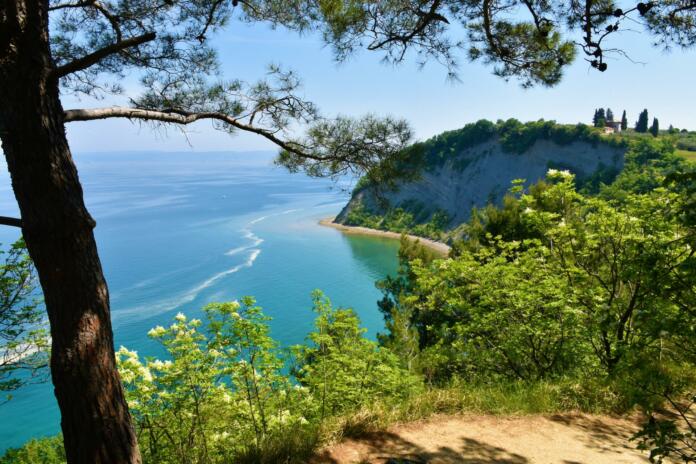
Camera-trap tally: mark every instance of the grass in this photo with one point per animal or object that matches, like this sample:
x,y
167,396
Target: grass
x,y
689,155
507,398
298,445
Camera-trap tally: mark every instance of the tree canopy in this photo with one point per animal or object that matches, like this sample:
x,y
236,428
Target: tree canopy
x,y
532,41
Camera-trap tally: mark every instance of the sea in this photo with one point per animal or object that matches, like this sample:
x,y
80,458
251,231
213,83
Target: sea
x,y
176,231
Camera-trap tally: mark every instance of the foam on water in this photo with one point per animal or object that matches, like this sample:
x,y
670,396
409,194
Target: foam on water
x,y
169,304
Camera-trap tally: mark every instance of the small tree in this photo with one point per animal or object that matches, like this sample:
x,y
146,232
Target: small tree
x,y
655,127
23,337
642,124
624,121
342,369
220,393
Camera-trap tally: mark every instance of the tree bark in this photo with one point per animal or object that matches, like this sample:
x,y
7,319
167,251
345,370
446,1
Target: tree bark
x,y
58,231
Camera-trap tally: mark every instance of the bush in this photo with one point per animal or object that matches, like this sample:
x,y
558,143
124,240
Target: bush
x,y
37,451
225,393
342,370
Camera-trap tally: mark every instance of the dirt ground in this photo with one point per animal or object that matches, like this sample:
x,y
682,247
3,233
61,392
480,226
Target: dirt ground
x,y
563,439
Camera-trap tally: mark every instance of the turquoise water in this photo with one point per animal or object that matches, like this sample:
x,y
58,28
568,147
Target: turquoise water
x,y
177,231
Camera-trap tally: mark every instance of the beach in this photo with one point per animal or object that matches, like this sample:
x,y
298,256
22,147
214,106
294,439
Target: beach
x,y
438,247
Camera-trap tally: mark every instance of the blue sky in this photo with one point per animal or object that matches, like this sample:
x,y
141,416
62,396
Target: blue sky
x,y
664,85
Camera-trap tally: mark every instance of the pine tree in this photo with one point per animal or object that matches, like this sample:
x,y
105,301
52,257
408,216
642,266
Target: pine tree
x,y
624,121
610,115
595,118
655,128
642,124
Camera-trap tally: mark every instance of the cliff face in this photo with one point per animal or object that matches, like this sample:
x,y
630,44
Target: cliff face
x,y
482,174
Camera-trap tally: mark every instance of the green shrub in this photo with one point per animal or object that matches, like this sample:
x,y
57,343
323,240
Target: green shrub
x,y
343,370
37,451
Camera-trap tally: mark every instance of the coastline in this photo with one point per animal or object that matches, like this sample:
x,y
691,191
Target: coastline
x,y
439,247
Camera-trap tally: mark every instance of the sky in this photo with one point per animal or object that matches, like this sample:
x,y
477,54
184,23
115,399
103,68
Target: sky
x,y
659,81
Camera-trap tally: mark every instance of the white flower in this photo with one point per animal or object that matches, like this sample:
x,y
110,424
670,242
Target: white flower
x,y
551,173
157,364
146,374
157,331
180,317
528,210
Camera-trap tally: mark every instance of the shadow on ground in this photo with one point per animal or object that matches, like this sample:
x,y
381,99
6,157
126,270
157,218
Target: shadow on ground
x,y
561,439
401,451
598,434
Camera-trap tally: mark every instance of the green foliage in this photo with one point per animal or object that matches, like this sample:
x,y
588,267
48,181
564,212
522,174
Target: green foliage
x,y
588,260
491,223
37,451
556,285
400,335
402,219
514,136
376,147
517,137
647,163
500,397
502,313
220,394
686,141
224,393
342,369
670,438
23,335
452,144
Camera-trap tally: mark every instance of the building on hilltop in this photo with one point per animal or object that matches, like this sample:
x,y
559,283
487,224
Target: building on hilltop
x,y
612,127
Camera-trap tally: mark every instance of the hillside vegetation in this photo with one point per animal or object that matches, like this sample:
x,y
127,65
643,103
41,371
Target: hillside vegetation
x,y
474,166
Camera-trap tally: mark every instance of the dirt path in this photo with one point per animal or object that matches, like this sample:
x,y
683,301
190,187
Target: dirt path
x,y
562,439
438,247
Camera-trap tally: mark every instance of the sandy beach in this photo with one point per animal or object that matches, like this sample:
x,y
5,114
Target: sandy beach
x,y
439,247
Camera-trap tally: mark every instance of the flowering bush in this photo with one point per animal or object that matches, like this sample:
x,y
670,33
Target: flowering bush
x,y
224,391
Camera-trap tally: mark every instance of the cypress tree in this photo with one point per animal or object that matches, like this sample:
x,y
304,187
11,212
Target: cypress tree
x,y
600,118
624,121
610,115
642,124
595,118
655,128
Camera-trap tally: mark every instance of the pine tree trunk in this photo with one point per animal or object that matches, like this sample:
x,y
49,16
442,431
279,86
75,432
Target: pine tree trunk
x,y
58,231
